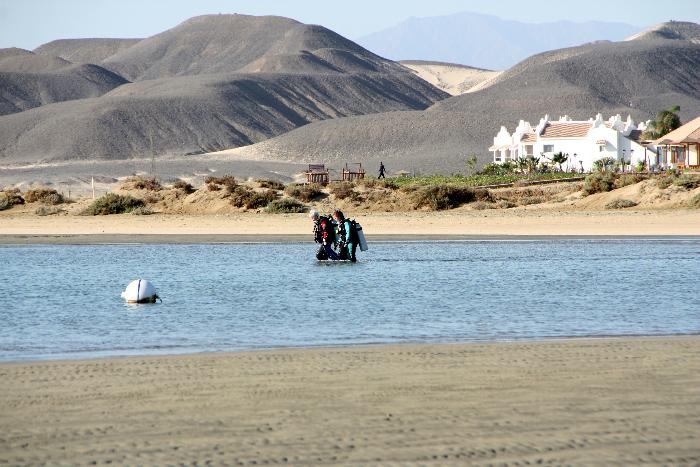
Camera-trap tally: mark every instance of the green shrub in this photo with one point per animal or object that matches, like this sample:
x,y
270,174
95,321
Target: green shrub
x,y
271,184
694,202
598,182
440,197
184,186
304,193
284,206
44,195
143,183
604,164
343,190
621,204
689,182
250,199
227,181
112,203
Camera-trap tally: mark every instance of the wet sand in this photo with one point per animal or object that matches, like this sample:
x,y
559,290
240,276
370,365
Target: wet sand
x,y
625,401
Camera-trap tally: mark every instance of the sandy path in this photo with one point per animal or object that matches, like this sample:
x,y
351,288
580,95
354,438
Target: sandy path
x,y
457,222
626,401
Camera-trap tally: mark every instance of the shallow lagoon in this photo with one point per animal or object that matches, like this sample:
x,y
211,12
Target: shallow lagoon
x,y
64,301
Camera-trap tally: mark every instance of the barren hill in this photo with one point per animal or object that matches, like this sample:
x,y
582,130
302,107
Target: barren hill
x,y
215,82
85,50
636,77
229,43
673,30
28,80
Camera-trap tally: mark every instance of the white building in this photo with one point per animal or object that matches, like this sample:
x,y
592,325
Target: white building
x,y
583,141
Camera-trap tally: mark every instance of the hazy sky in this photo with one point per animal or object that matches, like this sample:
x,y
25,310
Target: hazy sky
x,y
30,23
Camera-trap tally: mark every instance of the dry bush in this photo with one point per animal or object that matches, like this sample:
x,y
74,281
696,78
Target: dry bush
x,y
250,199
505,204
271,184
9,198
481,205
665,181
44,195
139,182
47,210
694,202
621,204
598,182
344,190
183,186
528,200
627,179
142,211
687,181
216,183
304,193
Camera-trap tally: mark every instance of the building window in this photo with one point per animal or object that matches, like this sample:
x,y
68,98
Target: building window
x,y
548,148
601,147
528,149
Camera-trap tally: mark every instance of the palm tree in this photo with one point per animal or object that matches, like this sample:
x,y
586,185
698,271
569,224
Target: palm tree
x,y
666,121
521,164
559,158
531,163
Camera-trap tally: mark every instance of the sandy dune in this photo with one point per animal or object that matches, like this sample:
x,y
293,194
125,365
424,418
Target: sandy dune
x,y
451,78
577,402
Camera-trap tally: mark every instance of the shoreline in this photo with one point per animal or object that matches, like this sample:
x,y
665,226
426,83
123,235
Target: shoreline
x,y
97,356
459,224
223,239
571,401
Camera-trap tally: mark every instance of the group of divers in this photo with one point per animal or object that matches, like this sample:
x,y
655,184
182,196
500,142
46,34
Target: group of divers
x,y
339,238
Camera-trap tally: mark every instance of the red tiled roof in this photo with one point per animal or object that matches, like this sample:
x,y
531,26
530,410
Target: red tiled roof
x,y
529,138
566,130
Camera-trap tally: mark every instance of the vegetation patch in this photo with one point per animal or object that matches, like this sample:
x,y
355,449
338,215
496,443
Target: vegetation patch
x,y
627,180
598,182
442,197
112,203
304,193
142,211
47,210
694,202
285,206
621,204
9,198
689,182
250,199
44,195
271,184
216,183
142,183
183,186
344,190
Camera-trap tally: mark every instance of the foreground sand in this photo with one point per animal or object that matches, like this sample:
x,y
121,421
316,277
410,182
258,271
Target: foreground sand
x,y
625,401
458,222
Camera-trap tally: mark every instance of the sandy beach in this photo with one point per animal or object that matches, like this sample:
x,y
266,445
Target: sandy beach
x,y
625,401
22,228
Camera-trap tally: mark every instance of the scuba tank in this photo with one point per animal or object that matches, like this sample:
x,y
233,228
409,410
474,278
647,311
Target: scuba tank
x,y
360,236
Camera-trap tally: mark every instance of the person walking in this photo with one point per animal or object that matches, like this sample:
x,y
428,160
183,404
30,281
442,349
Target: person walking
x,y
347,244
324,233
382,170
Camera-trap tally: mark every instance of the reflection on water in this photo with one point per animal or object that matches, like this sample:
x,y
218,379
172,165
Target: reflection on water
x,y
64,301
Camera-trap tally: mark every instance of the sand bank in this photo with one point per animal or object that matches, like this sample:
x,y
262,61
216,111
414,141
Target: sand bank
x,y
624,401
295,227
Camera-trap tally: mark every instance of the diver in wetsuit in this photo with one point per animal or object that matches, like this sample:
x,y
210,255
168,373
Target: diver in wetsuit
x,y
346,240
324,233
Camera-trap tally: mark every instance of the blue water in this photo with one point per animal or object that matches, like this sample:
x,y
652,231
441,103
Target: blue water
x,y
64,301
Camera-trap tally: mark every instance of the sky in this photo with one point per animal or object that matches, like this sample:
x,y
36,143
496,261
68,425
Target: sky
x,y
30,23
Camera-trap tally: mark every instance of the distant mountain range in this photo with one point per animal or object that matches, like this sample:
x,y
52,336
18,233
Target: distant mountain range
x,y
485,41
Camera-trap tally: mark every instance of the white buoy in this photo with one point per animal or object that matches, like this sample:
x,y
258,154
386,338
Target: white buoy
x,y
140,291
